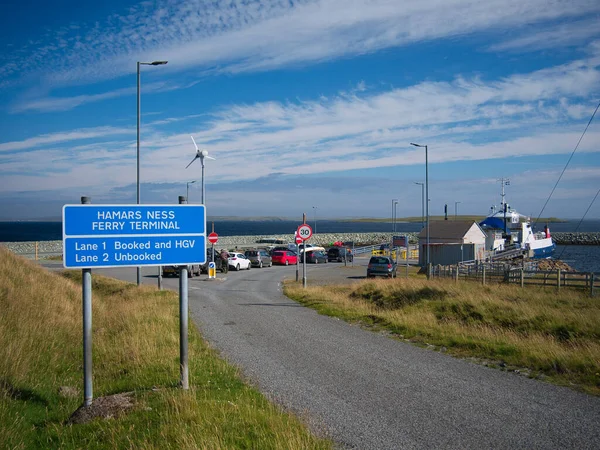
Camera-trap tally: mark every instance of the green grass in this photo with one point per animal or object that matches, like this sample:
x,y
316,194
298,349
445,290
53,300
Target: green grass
x,y
538,331
135,349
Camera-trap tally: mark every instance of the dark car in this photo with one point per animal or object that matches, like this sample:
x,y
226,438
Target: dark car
x,y
315,257
259,258
283,248
339,254
173,271
381,266
218,262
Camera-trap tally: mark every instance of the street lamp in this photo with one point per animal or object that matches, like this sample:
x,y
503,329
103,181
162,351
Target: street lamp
x,y
153,63
315,213
187,190
394,203
422,203
455,209
426,204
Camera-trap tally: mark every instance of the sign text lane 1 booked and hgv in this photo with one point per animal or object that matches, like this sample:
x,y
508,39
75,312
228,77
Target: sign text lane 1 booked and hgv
x,y
133,235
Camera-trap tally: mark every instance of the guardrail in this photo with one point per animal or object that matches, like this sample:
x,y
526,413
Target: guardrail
x,y
366,249
35,250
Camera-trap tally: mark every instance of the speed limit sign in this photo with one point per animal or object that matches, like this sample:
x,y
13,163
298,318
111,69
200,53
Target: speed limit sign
x,y
304,231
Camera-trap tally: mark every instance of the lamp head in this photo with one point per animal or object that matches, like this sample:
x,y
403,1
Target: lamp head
x,y
158,63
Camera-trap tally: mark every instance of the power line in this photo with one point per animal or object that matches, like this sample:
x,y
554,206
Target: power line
x,y
566,165
585,214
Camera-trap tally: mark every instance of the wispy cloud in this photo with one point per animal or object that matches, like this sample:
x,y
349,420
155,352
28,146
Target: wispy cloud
x,y
46,104
552,36
234,36
463,120
67,136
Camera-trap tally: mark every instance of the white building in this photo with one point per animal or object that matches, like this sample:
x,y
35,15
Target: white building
x,y
451,242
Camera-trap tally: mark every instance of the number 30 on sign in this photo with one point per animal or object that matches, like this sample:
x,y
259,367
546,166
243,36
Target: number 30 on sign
x,y
305,231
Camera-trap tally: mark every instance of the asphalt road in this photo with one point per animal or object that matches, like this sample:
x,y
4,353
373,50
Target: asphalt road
x,y
365,390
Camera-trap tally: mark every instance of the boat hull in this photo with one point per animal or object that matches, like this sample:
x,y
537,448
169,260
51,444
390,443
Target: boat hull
x,y
543,250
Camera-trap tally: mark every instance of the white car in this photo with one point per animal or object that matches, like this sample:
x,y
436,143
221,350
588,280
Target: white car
x,y
239,261
311,247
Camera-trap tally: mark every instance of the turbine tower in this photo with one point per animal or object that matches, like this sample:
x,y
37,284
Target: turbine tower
x,y
201,154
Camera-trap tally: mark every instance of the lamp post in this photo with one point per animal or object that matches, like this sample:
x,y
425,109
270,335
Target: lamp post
x,y
422,203
394,203
187,190
426,204
456,209
315,214
153,63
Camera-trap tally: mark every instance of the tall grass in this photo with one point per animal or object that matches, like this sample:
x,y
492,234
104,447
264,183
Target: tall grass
x,y
540,332
136,349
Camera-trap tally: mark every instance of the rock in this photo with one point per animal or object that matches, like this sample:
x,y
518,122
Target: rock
x,y
103,407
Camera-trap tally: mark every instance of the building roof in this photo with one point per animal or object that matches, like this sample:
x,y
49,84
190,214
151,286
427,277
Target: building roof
x,y
449,229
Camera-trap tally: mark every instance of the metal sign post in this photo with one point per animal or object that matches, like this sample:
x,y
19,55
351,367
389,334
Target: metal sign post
x,y
212,231
407,250
304,232
86,284
298,240
184,378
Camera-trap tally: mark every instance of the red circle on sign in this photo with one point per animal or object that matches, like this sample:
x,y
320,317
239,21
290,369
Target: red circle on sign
x,y
298,240
213,238
304,231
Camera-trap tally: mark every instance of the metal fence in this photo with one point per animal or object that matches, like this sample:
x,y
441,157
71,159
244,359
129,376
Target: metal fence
x,y
525,275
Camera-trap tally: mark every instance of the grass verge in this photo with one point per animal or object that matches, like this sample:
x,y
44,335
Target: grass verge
x,y
136,349
539,332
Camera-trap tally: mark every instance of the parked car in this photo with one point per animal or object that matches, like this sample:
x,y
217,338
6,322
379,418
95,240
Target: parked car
x,y
173,271
284,257
339,254
315,256
259,258
239,261
382,266
310,247
280,248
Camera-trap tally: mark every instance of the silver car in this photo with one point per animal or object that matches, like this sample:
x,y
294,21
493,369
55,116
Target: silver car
x,y
259,258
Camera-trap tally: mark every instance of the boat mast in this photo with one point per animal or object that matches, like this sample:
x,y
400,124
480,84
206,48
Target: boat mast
x,y
504,182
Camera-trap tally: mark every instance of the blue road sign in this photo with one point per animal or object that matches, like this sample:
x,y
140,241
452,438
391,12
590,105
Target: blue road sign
x,y
96,236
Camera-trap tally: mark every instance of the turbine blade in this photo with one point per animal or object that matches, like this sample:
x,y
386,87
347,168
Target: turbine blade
x,y
194,142
210,157
191,162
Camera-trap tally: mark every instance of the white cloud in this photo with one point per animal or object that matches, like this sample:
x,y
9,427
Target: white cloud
x,y
552,37
236,36
463,120
74,135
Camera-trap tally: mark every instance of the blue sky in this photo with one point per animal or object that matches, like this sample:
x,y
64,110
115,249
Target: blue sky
x,y
303,104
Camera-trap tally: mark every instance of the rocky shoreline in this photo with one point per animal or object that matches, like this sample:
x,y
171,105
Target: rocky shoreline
x,y
52,248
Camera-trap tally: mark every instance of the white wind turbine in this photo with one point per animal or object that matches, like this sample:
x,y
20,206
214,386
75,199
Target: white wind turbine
x,y
200,154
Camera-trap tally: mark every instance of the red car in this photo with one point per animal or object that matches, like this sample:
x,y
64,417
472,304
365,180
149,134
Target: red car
x,y
284,257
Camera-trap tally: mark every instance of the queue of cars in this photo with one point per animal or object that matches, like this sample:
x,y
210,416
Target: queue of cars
x,y
260,257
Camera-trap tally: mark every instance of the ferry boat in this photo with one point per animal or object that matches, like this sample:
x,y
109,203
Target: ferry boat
x,y
511,233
